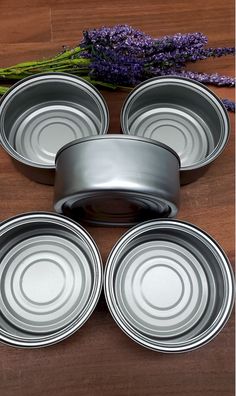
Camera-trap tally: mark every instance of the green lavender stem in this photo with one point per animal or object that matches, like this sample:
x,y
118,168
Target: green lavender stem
x,y
65,55
3,90
69,61
61,62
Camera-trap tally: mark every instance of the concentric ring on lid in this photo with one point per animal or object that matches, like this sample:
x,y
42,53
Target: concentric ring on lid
x,y
39,135
169,286
42,113
181,113
50,279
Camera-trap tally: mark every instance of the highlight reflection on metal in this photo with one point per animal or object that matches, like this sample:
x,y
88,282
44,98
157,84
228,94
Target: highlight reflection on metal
x,y
50,279
183,114
116,180
42,113
169,286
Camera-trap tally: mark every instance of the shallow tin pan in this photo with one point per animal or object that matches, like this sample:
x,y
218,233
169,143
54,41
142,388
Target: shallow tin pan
x,y
42,113
183,114
169,286
50,279
116,180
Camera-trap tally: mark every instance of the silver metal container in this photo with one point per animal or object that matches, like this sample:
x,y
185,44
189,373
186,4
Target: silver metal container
x,y
116,180
50,279
183,114
169,286
42,113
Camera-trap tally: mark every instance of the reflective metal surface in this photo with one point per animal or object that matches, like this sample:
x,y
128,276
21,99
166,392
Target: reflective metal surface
x,y
116,180
169,286
181,113
50,279
42,113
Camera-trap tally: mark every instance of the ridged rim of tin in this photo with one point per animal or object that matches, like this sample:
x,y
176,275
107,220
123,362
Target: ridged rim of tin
x,y
124,325
17,341
204,90
116,136
22,84
59,207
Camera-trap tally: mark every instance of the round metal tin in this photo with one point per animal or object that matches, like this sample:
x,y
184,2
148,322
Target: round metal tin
x,y
169,286
50,279
116,180
183,114
42,113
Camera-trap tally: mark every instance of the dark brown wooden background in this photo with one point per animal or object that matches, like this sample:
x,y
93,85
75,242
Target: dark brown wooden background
x,y
99,359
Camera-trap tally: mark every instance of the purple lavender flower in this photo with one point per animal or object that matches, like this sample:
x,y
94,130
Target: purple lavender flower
x,y
123,44
116,73
229,105
122,55
218,52
183,41
205,53
122,39
179,57
129,40
204,78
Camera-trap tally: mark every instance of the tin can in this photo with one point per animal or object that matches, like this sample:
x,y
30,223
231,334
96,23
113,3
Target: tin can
x,y
183,114
42,113
116,180
50,279
169,286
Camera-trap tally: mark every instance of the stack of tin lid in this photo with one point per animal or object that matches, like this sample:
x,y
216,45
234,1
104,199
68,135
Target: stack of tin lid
x,y
168,285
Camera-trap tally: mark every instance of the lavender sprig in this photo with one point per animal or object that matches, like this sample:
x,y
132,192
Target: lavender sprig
x,y
123,55
229,105
122,44
129,73
218,52
204,78
179,57
181,41
122,39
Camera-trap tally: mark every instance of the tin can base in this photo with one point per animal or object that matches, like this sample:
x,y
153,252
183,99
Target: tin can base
x,y
176,127
162,288
50,279
42,286
169,286
116,209
39,133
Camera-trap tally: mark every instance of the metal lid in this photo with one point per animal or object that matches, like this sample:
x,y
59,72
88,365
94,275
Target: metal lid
x,y
169,286
181,131
40,134
50,279
143,283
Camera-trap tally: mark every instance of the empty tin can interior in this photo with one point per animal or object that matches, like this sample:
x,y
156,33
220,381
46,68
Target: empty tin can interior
x,y
116,180
169,286
50,279
181,113
42,113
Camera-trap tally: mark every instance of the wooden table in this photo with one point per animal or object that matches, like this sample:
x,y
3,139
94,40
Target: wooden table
x,y
99,359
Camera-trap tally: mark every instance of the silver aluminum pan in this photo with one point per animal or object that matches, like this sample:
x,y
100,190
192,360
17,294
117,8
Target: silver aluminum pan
x,y
50,279
116,180
183,114
42,113
169,286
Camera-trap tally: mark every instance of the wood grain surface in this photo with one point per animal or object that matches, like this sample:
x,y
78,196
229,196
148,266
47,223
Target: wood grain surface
x,y
99,359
